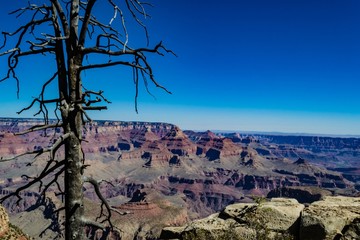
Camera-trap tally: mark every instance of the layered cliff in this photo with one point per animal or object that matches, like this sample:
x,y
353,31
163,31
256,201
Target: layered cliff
x,y
197,173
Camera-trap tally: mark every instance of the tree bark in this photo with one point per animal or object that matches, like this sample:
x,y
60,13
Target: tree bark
x,y
74,227
74,206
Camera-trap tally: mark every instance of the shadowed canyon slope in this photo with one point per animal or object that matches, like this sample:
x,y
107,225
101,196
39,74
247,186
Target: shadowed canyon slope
x,y
183,175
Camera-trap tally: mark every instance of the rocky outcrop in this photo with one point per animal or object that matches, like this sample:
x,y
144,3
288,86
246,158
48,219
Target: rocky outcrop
x,y
243,221
4,222
9,231
331,218
280,218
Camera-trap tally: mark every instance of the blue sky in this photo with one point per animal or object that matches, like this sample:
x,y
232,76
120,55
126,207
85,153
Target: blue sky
x,y
262,65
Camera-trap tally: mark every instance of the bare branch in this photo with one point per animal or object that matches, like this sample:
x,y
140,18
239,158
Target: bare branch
x,y
88,119
23,29
32,7
135,52
42,102
34,181
86,21
115,15
17,156
100,94
124,27
11,72
54,180
52,149
34,52
140,65
42,44
109,64
139,7
60,58
104,27
104,202
57,144
88,222
9,51
38,128
99,108
62,17
142,12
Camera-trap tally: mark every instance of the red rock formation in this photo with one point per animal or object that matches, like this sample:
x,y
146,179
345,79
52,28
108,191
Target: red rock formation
x,y
213,147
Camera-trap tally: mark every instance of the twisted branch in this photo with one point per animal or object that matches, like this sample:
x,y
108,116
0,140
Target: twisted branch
x,y
35,180
104,202
52,149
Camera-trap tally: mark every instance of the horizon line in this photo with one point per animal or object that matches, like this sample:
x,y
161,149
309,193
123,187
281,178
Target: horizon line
x,y
254,132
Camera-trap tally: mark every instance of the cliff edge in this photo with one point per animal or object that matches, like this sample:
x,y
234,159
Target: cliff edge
x,y
7,230
280,218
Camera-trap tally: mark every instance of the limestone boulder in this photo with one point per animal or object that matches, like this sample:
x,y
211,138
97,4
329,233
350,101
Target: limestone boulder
x,y
210,228
331,218
263,220
279,215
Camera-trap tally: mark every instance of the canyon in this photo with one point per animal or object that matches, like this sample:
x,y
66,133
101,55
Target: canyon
x,y
163,176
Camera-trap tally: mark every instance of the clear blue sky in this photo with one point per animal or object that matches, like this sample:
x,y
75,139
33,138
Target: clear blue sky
x,y
262,65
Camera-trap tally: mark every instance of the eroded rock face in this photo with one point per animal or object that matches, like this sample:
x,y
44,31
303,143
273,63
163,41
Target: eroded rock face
x,y
330,218
278,215
8,231
212,146
178,143
243,221
280,218
4,222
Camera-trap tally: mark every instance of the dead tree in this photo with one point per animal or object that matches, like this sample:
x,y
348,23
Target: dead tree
x,y
73,33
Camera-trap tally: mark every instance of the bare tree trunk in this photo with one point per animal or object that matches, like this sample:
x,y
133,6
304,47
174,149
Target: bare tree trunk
x,y
74,228
68,44
73,183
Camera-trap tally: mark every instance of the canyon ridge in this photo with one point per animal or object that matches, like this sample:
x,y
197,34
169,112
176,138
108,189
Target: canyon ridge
x,y
163,176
